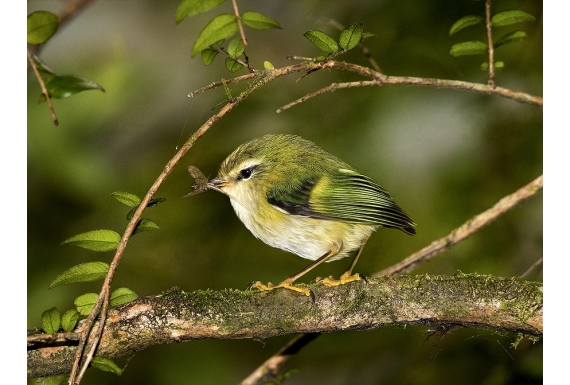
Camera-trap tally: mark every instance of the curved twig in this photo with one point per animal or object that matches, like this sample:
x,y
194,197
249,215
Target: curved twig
x,y
462,232
43,87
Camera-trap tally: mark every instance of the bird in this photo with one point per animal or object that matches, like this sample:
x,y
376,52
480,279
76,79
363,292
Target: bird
x,y
295,196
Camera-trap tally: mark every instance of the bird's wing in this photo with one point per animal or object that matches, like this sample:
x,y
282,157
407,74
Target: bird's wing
x,y
344,195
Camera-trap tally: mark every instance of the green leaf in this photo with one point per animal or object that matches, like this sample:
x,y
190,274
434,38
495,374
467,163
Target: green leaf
x,y
468,48
232,65
510,37
85,303
69,320
258,20
502,19
208,56
126,198
155,201
351,36
131,213
145,225
367,35
268,66
96,240
322,40
106,364
51,320
236,47
122,295
219,28
464,22
193,7
85,272
41,26
66,85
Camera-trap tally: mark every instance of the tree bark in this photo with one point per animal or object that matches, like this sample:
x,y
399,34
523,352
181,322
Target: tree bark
x,y
503,304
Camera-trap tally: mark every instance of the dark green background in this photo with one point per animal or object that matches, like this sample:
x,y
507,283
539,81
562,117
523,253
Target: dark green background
x,y
444,155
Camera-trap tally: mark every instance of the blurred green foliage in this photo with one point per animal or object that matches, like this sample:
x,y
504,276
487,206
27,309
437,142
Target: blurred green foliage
x,y
444,155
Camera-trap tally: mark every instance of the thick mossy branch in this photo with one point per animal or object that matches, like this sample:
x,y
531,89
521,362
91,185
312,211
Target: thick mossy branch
x,y
503,304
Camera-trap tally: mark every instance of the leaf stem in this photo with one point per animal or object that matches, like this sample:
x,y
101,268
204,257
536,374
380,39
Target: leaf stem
x,y
491,80
43,87
240,25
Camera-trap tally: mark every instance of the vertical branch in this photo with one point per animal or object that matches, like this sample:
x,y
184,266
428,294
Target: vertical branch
x,y
240,25
43,87
491,80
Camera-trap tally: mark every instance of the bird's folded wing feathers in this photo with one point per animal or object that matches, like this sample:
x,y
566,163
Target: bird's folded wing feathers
x,y
344,195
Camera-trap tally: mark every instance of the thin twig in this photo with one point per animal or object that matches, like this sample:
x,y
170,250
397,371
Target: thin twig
x,y
433,82
73,9
303,58
530,269
491,80
329,88
99,333
43,87
381,79
221,84
462,232
238,18
243,63
34,341
270,368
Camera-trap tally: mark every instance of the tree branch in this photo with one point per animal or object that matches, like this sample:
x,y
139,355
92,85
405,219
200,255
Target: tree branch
x,y
503,304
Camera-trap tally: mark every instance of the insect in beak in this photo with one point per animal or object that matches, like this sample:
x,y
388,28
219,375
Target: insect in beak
x,y
202,183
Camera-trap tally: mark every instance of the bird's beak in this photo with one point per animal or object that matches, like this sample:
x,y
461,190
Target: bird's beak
x,y
217,184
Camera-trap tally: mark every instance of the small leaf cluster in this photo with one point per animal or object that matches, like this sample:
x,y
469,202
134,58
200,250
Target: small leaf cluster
x,y
349,38
42,26
501,19
95,240
212,37
52,321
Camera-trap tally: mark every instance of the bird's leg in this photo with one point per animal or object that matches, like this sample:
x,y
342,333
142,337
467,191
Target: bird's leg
x,y
347,276
288,283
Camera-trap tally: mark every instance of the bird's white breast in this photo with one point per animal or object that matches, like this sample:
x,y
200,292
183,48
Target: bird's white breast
x,y
307,237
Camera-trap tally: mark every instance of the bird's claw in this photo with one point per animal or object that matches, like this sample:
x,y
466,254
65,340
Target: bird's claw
x,y
345,278
285,285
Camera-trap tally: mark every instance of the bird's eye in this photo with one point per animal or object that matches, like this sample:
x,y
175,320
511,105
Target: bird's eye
x,y
246,173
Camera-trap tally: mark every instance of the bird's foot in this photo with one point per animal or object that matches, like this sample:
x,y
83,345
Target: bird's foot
x,y
345,278
285,284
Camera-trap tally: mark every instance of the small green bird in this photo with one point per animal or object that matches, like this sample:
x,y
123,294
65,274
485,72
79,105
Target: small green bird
x,y
295,196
